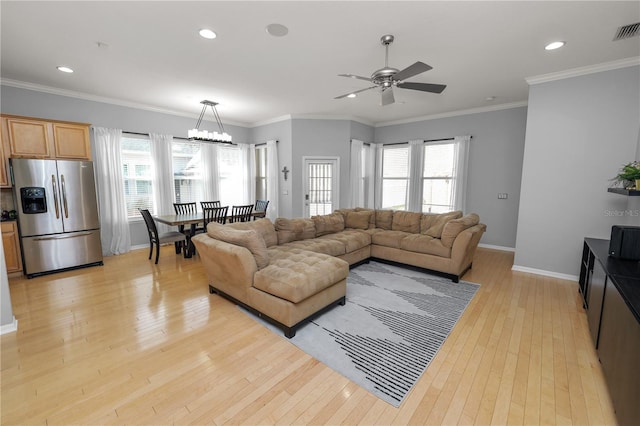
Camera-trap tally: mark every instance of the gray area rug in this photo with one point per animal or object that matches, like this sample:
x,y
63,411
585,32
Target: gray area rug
x,y
393,324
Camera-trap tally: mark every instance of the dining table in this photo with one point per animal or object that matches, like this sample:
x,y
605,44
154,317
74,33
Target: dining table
x,y
191,220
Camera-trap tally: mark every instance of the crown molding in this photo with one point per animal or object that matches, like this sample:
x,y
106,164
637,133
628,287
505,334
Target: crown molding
x,y
591,69
332,117
103,99
271,121
454,113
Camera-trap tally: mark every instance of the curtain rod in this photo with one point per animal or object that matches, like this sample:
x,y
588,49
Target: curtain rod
x,y
404,143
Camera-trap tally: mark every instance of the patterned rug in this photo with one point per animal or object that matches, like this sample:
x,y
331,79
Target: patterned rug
x,y
393,324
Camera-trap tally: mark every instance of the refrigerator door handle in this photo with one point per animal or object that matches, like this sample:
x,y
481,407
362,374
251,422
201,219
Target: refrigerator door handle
x,y
55,195
76,235
64,196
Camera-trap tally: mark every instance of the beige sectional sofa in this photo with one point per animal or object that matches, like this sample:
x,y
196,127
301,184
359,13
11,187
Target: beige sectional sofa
x,y
293,269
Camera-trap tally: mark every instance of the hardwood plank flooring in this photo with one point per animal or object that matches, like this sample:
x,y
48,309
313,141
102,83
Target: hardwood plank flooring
x,y
136,343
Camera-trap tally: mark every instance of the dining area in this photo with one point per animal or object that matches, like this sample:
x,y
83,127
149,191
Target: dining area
x,y
191,220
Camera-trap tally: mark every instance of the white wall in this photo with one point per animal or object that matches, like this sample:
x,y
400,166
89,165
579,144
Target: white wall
x,y
495,163
580,131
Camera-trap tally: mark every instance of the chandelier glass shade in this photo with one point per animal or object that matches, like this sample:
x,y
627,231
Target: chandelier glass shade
x,y
205,136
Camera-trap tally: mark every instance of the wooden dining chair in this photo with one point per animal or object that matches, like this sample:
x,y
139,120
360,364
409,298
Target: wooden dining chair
x,y
215,214
186,208
209,204
260,207
178,238
241,213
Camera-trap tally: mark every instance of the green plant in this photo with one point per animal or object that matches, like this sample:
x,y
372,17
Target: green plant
x,y
629,172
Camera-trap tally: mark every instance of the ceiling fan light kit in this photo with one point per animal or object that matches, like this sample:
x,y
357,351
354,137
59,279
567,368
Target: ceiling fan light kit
x,y
387,77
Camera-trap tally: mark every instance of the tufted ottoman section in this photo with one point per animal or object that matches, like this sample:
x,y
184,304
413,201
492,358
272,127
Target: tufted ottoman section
x,y
299,275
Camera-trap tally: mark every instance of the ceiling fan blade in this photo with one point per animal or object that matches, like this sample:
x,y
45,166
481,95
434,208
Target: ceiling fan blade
x,y
424,87
354,76
411,70
387,97
357,91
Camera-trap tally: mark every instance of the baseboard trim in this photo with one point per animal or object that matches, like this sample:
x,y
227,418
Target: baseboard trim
x,y
552,274
9,328
501,248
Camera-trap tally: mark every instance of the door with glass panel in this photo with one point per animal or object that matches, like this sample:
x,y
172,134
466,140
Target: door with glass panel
x,y
320,185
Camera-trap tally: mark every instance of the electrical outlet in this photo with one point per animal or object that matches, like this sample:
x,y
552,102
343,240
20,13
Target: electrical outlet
x,y
502,196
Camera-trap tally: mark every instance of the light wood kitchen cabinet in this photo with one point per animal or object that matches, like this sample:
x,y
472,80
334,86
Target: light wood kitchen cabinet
x,y
11,245
40,138
4,165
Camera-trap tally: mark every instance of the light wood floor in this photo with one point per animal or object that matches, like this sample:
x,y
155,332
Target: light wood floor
x,y
136,343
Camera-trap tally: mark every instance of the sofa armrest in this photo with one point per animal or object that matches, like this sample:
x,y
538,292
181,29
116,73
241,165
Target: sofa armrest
x,y
464,246
230,267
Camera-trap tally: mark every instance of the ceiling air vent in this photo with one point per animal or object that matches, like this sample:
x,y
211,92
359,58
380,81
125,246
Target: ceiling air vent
x,y
627,31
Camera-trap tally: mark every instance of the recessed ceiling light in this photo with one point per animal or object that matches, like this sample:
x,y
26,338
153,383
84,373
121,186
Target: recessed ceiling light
x,y
490,98
554,45
277,30
64,69
207,33
351,95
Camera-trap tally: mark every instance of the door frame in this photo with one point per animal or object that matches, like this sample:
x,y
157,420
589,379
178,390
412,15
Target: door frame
x,y
335,182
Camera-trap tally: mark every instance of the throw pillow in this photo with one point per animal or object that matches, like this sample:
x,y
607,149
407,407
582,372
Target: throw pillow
x,y
384,218
372,218
328,224
426,221
358,220
248,239
294,229
435,230
264,227
406,222
456,226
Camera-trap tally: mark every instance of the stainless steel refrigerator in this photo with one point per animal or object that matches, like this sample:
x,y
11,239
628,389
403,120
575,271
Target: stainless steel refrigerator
x,y
57,214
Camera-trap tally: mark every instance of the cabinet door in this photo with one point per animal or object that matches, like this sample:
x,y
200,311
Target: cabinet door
x,y
28,138
71,141
4,176
11,246
619,350
596,296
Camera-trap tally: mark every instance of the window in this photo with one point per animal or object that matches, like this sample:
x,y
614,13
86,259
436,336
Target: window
x,y
261,173
187,172
395,177
230,172
438,177
136,169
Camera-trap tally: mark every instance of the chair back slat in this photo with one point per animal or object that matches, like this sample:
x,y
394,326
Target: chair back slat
x,y
209,204
185,208
261,205
151,225
215,214
241,213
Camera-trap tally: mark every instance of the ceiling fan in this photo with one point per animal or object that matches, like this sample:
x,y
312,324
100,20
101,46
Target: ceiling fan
x,y
386,78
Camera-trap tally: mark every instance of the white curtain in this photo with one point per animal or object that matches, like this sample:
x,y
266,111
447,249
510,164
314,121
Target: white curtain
x,y
369,175
356,181
416,169
460,162
379,153
248,164
273,178
210,176
114,224
162,181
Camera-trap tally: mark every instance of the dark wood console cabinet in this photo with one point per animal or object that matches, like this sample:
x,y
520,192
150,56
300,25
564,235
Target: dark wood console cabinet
x,y
610,290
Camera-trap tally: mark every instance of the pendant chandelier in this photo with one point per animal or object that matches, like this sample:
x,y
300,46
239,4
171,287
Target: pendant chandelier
x,y
206,136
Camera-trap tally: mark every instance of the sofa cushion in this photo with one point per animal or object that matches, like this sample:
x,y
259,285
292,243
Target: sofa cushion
x,y
435,230
264,227
456,226
406,221
384,219
319,245
426,244
426,221
328,224
358,220
249,239
294,229
352,239
372,218
300,274
388,238
344,213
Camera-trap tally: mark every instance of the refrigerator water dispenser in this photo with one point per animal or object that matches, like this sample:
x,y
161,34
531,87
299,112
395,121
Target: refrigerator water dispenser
x,y
34,200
